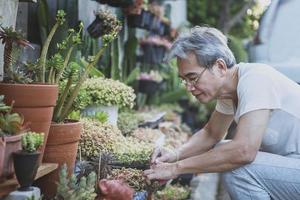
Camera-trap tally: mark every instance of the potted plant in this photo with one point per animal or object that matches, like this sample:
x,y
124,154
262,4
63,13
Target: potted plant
x,y
26,160
107,95
34,98
149,83
10,138
64,134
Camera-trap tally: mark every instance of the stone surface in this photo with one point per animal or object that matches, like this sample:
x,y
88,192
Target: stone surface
x,y
205,186
18,195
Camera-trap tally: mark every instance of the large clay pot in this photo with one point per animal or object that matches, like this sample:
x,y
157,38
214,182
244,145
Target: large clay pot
x,y
35,102
26,165
61,148
8,145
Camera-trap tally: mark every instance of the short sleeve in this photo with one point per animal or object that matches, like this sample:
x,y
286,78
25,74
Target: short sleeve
x,y
257,91
225,106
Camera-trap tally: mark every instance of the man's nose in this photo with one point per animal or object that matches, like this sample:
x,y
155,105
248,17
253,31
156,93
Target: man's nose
x,y
190,87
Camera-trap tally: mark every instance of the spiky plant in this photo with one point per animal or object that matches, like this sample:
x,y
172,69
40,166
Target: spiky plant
x,y
9,37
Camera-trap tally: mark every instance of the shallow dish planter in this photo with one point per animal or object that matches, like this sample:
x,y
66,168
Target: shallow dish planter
x,y
35,102
61,147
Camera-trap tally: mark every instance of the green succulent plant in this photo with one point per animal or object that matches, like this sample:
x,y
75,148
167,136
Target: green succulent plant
x,y
127,122
10,123
31,141
69,189
107,92
173,192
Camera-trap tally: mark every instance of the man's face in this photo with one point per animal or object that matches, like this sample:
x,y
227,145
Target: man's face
x,y
203,83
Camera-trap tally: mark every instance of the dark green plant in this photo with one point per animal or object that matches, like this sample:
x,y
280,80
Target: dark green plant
x,y
68,189
31,141
60,19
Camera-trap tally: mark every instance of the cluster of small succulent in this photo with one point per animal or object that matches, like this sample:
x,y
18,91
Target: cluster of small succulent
x,y
109,21
31,141
133,151
147,134
173,192
127,122
98,137
134,178
68,189
108,92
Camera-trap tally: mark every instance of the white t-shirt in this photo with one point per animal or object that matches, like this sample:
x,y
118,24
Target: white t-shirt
x,y
262,87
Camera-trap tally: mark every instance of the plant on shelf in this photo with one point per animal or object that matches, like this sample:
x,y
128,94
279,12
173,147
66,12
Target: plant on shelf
x,y
26,160
71,189
11,125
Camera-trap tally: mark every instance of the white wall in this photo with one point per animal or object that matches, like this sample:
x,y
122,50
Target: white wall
x,y
178,12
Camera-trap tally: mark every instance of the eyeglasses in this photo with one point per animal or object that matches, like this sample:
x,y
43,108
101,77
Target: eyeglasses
x,y
192,81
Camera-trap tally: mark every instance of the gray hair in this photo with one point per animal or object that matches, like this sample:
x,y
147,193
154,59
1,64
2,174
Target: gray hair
x,y
208,44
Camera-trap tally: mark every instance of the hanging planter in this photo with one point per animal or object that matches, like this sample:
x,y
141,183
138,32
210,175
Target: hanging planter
x,y
117,3
104,22
149,83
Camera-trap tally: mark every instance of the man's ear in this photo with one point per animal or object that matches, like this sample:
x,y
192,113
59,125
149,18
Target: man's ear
x,y
220,67
102,184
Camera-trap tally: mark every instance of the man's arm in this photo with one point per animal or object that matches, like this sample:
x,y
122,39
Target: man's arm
x,y
240,151
207,137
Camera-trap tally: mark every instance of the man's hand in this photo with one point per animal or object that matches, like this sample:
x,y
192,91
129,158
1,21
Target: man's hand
x,y
161,154
162,171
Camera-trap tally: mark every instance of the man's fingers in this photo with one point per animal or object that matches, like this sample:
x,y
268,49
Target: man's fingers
x,y
155,154
148,171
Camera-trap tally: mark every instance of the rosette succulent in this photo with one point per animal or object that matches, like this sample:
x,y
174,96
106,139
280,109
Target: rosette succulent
x,y
108,92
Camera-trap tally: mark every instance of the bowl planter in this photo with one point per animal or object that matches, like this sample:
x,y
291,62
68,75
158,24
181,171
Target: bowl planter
x,y
8,145
61,147
26,165
112,112
35,102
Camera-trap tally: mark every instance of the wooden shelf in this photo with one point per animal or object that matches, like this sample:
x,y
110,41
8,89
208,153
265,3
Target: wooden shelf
x,y
10,185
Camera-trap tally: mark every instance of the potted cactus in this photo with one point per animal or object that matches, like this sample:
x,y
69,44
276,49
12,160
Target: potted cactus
x,y
107,95
10,138
34,97
26,160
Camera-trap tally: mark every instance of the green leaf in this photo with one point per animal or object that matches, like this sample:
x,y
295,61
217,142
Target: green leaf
x,y
132,76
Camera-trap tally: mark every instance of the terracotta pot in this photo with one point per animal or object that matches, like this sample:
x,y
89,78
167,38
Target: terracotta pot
x,y
35,102
61,148
8,145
